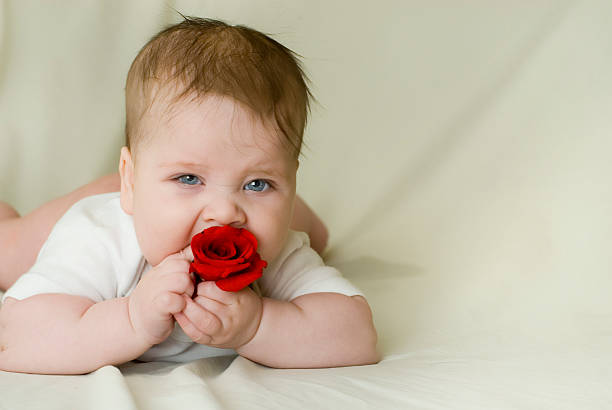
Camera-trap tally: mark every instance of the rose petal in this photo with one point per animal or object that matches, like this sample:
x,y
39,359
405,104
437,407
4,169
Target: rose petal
x,y
221,263
224,250
238,282
210,272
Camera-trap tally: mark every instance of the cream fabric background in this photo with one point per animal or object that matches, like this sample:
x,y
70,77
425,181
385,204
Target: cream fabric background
x,y
459,154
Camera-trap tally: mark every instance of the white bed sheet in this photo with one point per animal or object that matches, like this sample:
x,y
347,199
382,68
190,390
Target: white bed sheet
x,y
460,154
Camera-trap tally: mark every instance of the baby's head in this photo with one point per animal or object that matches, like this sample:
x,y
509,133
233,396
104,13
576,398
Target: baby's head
x,y
215,118
197,57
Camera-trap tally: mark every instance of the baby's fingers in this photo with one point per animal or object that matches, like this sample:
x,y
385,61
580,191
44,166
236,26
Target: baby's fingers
x,y
197,323
191,330
169,302
213,306
210,290
187,253
180,283
183,254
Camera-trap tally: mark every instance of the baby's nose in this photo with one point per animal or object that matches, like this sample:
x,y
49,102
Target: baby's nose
x,y
223,210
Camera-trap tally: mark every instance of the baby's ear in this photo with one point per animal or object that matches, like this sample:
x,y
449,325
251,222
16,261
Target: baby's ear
x,y
126,173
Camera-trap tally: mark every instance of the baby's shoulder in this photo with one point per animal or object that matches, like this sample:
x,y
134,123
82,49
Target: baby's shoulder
x,y
97,212
97,221
295,257
297,245
300,270
96,208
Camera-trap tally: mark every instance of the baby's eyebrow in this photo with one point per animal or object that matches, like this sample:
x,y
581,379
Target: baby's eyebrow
x,y
248,169
263,167
183,164
267,172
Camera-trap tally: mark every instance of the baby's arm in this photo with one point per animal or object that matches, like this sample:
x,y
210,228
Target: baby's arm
x,y
314,330
305,220
66,334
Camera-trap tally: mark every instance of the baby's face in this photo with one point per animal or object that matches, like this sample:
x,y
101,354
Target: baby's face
x,y
206,164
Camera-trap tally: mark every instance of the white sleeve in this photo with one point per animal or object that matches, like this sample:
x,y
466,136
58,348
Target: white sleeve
x,y
299,270
80,257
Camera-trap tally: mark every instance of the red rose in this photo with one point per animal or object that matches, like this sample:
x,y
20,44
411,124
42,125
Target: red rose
x,y
227,256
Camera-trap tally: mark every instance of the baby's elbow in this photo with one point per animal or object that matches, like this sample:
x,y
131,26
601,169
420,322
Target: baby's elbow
x,y
4,354
370,356
365,344
364,353
370,350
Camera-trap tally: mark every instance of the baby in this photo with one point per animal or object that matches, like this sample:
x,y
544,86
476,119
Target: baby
x,y
215,117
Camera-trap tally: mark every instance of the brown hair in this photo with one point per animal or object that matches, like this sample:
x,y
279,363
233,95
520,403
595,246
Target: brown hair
x,y
199,56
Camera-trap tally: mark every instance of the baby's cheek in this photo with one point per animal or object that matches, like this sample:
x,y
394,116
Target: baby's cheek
x,y
271,227
157,244
272,245
153,251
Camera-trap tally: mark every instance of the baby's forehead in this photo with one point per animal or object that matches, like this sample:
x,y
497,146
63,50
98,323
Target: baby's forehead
x,y
230,121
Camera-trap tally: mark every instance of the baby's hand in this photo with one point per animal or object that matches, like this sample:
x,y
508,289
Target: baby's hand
x,y
219,318
161,293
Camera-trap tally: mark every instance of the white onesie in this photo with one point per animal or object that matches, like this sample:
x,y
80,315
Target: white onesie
x,y
93,252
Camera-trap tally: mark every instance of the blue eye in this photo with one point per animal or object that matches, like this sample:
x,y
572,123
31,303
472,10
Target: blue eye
x,y
257,185
189,180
